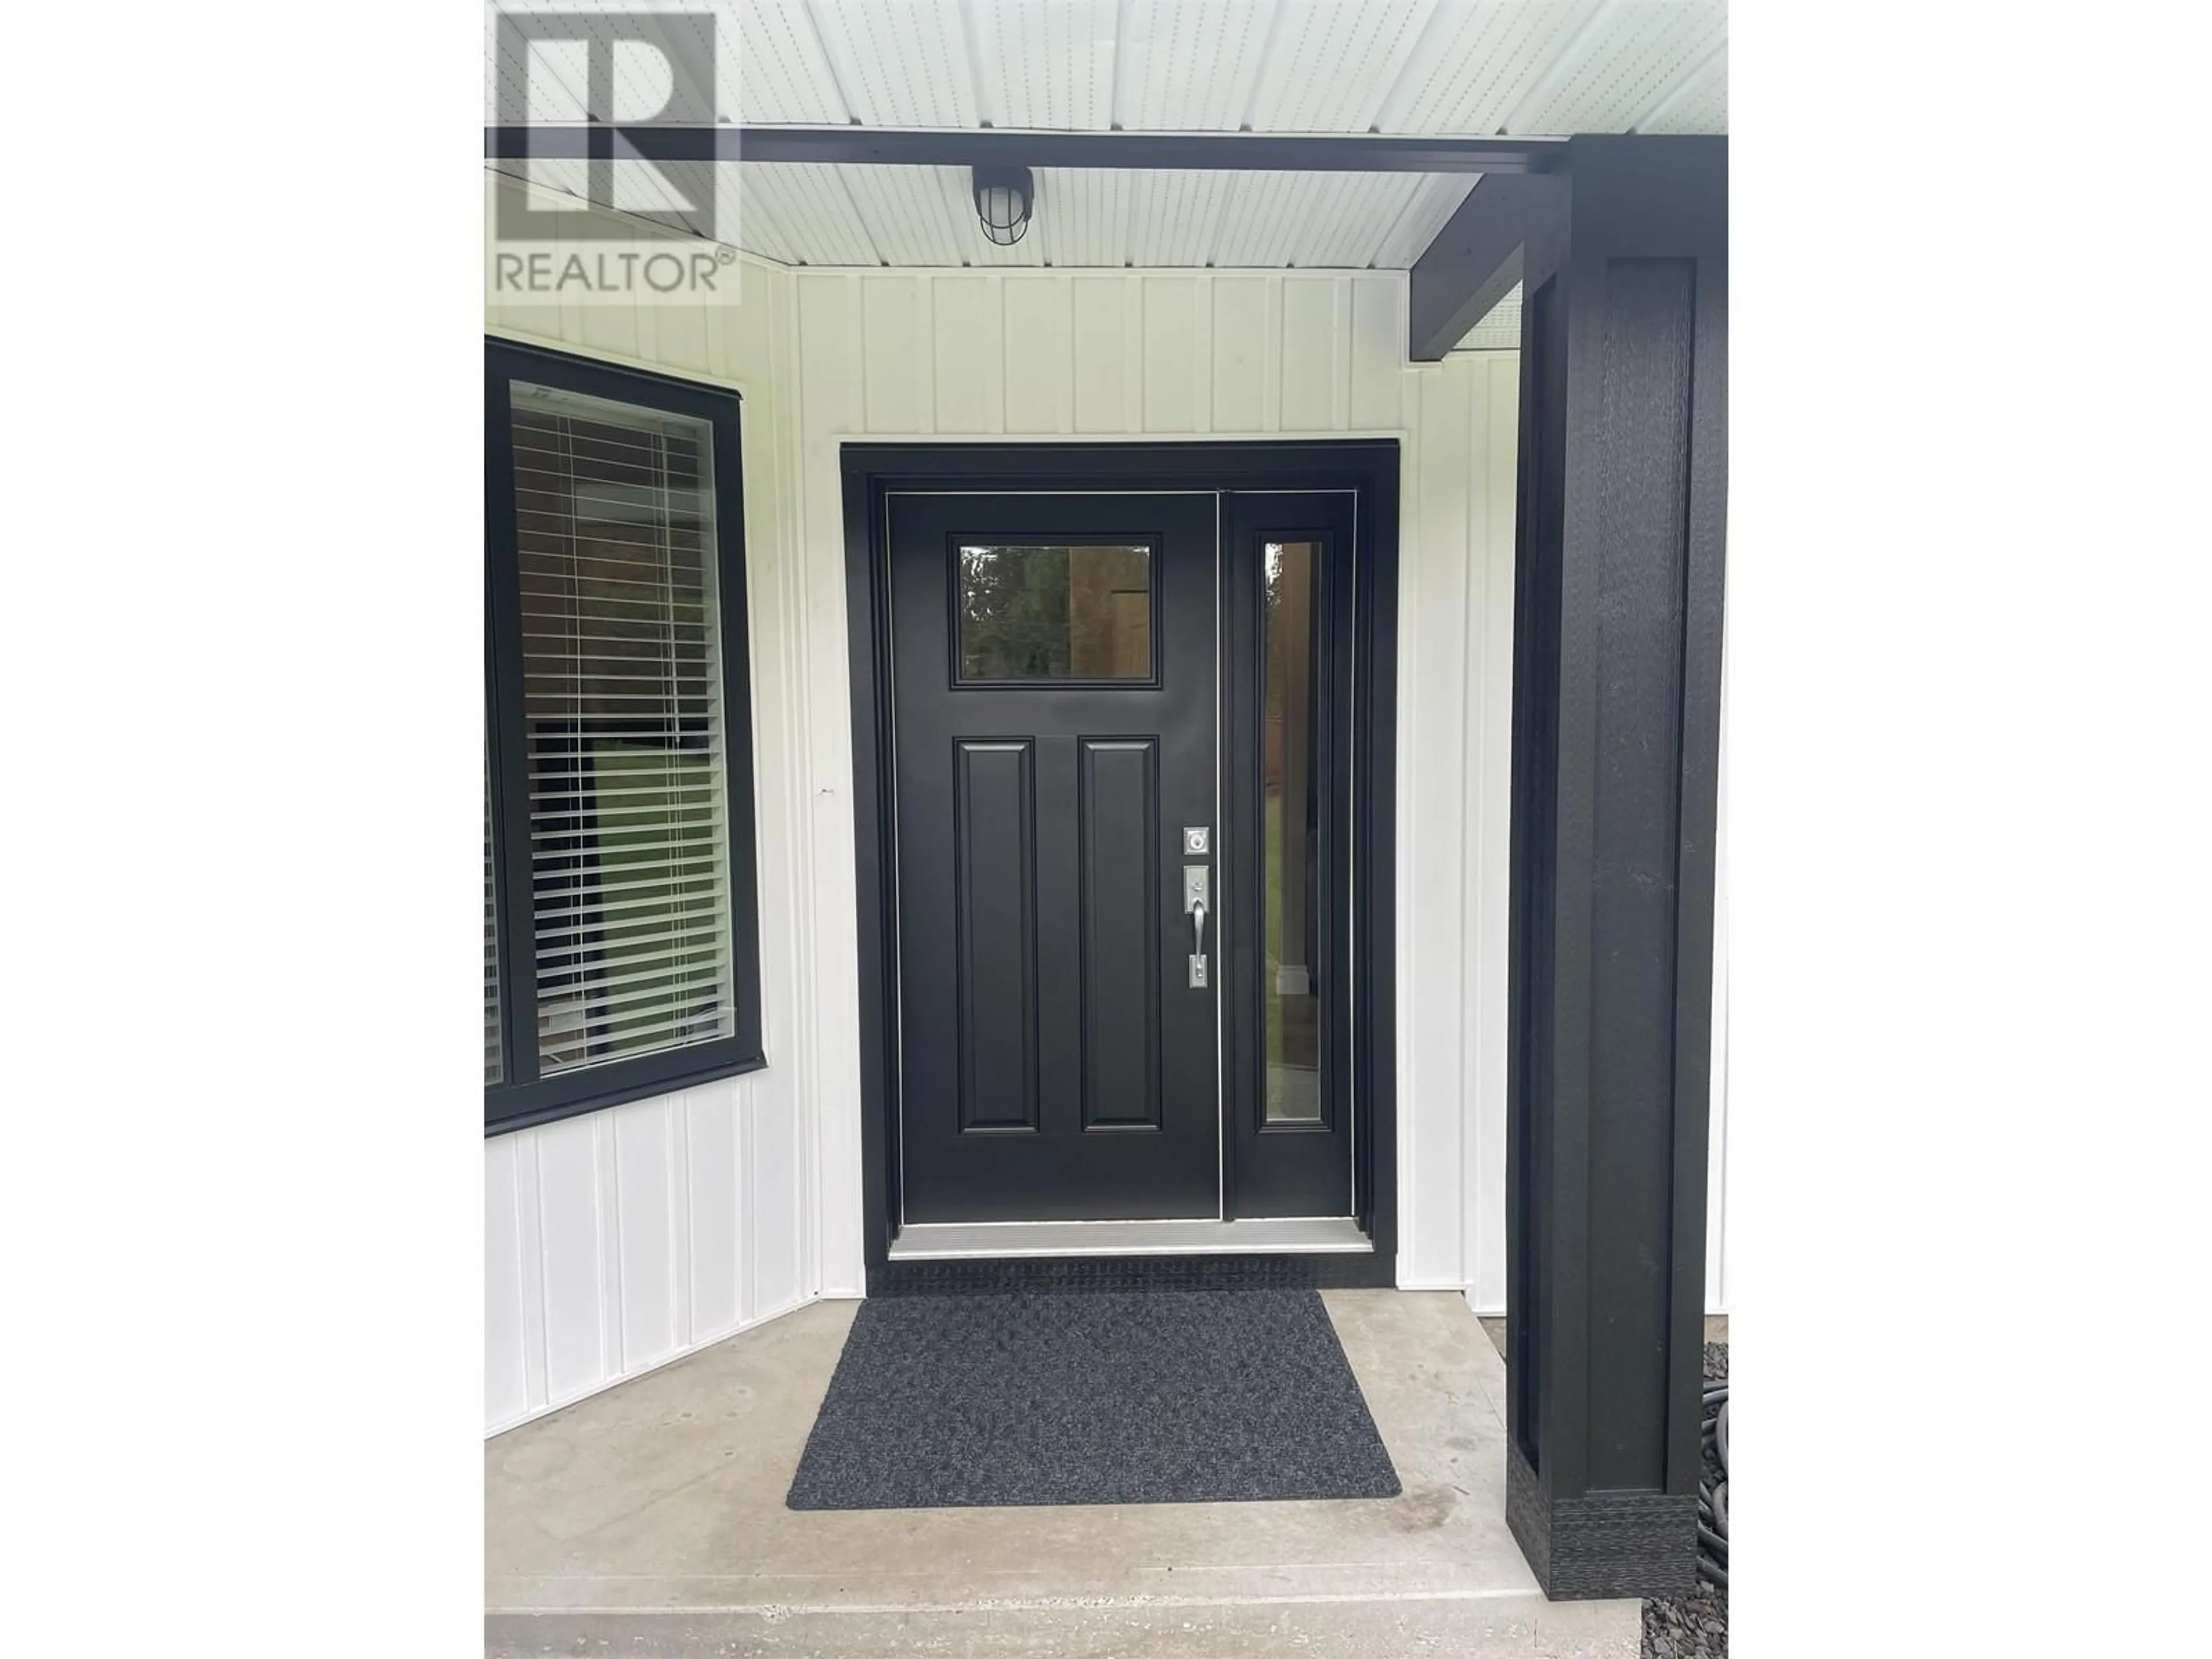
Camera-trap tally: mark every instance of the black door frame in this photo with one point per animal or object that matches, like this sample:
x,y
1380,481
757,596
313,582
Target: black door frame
x,y
871,472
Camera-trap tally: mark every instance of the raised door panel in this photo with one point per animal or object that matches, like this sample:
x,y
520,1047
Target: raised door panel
x,y
994,919
1119,790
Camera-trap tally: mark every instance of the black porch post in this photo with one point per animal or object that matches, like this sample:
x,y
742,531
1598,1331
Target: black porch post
x,y
1616,689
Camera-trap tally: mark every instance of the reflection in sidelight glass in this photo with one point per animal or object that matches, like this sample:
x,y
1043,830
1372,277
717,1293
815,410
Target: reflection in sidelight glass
x,y
1291,811
1056,613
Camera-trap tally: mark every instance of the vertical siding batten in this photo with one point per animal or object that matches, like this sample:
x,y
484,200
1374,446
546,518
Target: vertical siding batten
x,y
711,1212
530,1238
1410,1123
805,1073
831,1209
607,1202
1378,346
506,1386
678,1176
748,1218
1172,362
569,1250
1271,357
1240,322
637,1204
1102,367
1490,801
1433,644
1307,319
1473,735
830,392
967,356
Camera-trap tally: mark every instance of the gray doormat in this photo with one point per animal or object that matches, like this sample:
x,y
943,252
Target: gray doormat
x,y
1091,1397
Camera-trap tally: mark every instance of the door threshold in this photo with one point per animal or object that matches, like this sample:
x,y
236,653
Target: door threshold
x,y
947,1241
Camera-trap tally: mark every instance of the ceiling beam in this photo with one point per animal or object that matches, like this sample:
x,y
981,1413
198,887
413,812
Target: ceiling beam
x,y
1475,259
1000,147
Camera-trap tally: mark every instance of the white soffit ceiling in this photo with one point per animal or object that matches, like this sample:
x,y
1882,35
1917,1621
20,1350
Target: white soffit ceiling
x,y
1525,67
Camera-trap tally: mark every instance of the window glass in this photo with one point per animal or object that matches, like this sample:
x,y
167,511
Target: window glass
x,y
1291,813
1056,613
622,683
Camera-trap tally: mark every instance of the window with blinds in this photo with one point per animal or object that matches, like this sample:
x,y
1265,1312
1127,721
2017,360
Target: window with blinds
x,y
620,745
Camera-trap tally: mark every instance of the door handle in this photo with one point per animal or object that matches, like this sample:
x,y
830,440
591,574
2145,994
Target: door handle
x,y
1197,888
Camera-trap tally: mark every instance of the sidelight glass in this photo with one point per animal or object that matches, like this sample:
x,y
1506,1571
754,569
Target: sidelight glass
x,y
1079,613
1290,812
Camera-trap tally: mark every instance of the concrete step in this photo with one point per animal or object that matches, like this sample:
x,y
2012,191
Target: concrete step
x,y
1438,1626
651,1520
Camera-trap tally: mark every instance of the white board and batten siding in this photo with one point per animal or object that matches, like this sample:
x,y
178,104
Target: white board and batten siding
x,y
621,1239
1090,356
1153,355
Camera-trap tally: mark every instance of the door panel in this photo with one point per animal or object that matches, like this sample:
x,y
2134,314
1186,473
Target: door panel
x,y
1118,789
1055,713
995,924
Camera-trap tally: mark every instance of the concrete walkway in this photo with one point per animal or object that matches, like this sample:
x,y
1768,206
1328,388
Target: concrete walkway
x,y
649,1521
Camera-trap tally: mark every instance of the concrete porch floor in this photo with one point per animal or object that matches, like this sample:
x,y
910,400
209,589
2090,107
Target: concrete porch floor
x,y
650,1521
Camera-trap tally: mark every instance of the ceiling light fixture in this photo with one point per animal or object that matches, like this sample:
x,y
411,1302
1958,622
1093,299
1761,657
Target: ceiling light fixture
x,y
1003,197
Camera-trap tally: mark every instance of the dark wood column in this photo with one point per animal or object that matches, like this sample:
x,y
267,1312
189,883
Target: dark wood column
x,y
1616,690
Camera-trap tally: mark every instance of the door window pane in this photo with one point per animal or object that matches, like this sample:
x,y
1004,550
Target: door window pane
x,y
1291,813
1056,613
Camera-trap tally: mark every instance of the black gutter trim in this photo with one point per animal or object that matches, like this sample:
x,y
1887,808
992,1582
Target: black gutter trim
x,y
998,146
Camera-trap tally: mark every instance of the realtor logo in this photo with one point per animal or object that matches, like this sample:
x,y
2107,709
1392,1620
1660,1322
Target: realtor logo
x,y
573,78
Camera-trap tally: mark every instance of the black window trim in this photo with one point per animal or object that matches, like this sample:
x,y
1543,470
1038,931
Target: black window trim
x,y
522,1099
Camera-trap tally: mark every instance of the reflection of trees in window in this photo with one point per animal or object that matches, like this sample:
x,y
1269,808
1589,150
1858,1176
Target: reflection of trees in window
x,y
1046,613
1291,807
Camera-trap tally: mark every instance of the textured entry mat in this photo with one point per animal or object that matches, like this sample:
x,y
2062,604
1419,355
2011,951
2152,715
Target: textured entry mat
x,y
1091,1397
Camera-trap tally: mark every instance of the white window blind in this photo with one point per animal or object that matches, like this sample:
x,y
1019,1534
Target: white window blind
x,y
624,723
491,955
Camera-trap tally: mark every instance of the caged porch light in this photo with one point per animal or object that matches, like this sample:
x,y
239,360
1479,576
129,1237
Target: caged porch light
x,y
1002,198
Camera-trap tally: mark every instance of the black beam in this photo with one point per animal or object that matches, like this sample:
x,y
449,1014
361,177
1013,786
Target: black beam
x,y
1000,147
1616,709
1475,259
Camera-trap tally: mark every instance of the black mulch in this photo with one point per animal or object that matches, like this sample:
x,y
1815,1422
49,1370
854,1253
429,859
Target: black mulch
x,y
1692,1626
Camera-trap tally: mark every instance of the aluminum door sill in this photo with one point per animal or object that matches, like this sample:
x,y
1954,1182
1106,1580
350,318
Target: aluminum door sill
x,y
946,1241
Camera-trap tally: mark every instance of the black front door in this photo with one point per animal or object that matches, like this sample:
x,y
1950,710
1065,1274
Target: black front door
x,y
1056,707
